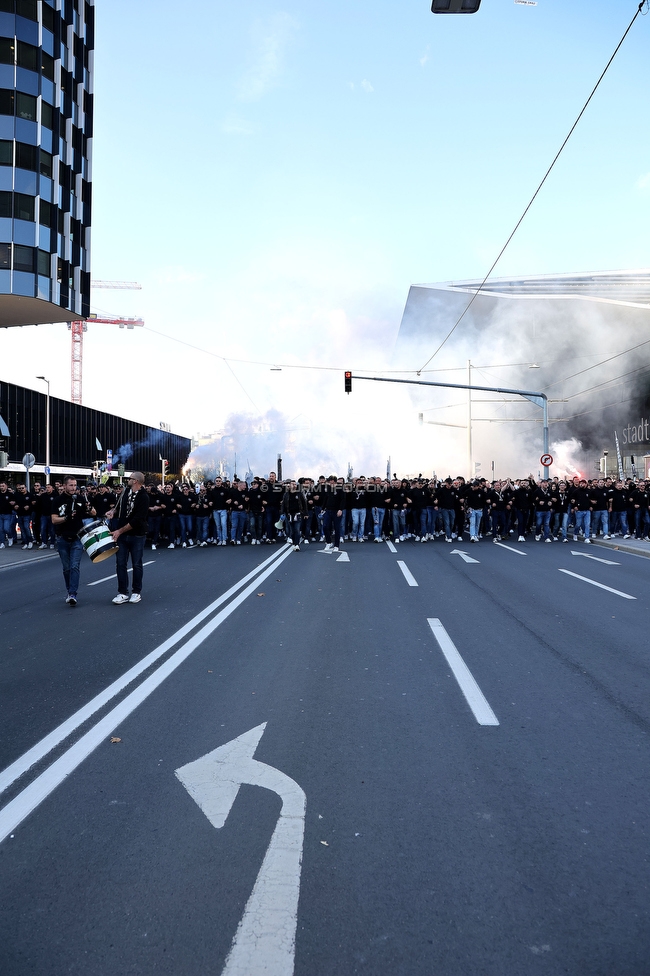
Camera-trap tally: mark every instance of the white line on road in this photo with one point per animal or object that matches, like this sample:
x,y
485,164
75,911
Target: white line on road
x,y
104,579
28,562
504,546
343,558
42,748
473,694
626,596
463,555
608,562
33,795
390,545
408,575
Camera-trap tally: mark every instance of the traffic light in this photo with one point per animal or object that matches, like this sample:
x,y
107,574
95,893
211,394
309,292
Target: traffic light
x,y
348,381
165,465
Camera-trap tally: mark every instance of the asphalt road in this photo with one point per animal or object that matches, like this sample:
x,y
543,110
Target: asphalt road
x,y
464,744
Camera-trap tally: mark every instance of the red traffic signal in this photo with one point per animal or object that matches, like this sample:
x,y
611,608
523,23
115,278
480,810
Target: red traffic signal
x,y
348,381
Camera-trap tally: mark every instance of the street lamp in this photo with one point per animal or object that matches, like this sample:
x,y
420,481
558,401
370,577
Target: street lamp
x,y
455,6
47,430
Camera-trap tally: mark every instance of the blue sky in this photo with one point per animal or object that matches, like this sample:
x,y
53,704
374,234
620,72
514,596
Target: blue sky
x,y
276,176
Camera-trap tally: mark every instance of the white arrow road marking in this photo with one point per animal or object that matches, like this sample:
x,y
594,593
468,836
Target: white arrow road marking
x,y
473,694
503,546
408,575
343,558
40,788
114,576
626,596
463,555
608,562
265,942
390,545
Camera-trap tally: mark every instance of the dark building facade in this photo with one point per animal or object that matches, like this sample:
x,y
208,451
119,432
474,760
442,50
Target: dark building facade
x,y
75,431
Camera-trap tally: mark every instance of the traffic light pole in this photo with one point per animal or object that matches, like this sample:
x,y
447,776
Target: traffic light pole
x,y
540,399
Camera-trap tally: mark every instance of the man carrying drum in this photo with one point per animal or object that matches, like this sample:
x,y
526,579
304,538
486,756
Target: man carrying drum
x,y
131,513
68,513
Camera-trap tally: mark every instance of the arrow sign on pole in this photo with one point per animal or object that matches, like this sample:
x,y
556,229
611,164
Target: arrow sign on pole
x,y
265,942
608,562
463,555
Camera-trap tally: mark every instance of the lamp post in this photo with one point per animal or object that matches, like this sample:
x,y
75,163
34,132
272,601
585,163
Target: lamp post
x,y
47,430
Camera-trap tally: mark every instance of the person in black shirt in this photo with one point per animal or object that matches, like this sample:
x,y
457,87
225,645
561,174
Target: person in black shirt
x,y
131,513
68,514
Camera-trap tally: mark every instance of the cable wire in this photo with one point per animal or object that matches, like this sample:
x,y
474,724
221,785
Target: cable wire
x,y
532,199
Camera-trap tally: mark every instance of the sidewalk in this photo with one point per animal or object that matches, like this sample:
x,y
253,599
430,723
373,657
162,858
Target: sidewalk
x,y
623,545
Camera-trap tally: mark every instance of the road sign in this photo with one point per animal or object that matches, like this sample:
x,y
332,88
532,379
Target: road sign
x,y
48,469
29,461
546,460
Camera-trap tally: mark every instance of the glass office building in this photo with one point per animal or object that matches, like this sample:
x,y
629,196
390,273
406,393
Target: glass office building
x,y
46,127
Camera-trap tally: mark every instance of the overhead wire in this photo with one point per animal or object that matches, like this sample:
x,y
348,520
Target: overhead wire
x,y
534,196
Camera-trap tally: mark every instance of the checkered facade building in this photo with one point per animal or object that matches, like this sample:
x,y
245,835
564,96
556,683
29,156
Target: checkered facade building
x,y
46,128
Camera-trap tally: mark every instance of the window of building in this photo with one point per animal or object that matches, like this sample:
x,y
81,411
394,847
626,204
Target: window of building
x,y
7,50
24,206
48,18
25,106
26,55
46,164
5,203
43,263
26,157
47,115
27,9
23,258
5,256
47,66
6,152
7,6
6,101
45,214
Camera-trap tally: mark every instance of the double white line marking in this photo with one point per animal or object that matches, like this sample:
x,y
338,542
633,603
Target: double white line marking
x,y
37,791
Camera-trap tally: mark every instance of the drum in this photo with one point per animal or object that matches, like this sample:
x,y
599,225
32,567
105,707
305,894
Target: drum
x,y
97,540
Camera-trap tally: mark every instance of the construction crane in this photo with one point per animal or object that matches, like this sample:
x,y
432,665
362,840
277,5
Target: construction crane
x,y
78,328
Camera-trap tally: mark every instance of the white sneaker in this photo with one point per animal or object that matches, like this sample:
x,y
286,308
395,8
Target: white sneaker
x,y
335,549
606,537
627,537
11,542
537,538
548,540
588,541
120,598
184,546
30,545
296,548
153,548
171,546
305,542
134,598
417,538
328,547
396,540
52,546
522,538
42,546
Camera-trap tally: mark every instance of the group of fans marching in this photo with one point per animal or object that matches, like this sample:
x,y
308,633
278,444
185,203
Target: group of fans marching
x,y
332,510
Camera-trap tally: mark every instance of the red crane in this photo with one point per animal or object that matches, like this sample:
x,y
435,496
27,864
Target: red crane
x,y
78,328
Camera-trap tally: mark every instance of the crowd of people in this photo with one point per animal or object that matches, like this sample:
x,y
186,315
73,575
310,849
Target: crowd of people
x,y
332,510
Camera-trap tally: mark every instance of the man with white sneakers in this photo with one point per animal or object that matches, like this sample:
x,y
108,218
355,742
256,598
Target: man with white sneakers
x,y
131,513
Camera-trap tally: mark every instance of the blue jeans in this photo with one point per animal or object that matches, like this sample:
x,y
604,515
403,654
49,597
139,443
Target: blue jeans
x,y
582,520
186,527
641,522
25,523
132,545
600,518
70,551
6,526
358,522
47,530
448,517
202,528
475,515
377,521
255,522
560,522
542,521
221,523
399,522
237,520
619,523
